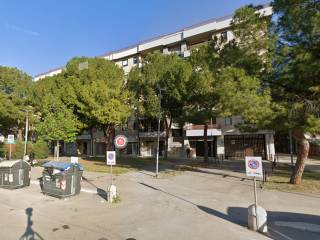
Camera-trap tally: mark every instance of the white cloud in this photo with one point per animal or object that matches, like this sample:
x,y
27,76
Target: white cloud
x,y
21,30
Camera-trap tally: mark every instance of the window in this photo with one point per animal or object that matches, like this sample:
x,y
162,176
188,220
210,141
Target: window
x,y
224,36
228,121
125,62
177,133
135,60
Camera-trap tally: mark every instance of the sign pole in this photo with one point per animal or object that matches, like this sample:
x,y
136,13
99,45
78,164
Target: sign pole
x,y
111,175
255,199
10,151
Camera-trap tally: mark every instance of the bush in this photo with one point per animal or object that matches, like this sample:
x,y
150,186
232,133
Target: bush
x,y
2,150
40,150
17,150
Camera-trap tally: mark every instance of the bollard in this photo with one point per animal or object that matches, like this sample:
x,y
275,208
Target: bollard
x,y
257,222
112,193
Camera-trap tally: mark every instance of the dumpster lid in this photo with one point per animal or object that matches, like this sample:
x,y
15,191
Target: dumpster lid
x,y
61,165
10,163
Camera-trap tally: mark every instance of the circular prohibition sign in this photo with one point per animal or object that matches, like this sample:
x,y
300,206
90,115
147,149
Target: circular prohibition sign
x,y
253,164
120,141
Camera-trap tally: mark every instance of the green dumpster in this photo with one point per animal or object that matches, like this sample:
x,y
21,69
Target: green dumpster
x,y
14,174
61,179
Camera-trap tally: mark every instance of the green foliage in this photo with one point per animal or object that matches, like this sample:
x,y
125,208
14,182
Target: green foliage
x,y
295,84
18,151
40,149
241,94
100,98
166,71
15,87
59,124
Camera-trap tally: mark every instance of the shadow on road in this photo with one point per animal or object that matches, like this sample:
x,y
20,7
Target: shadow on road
x,y
30,234
282,225
102,193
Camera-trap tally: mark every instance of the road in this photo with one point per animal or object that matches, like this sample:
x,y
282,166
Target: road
x,y
184,205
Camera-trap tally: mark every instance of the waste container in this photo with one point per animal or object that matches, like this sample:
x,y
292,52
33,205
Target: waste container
x,y
14,174
61,179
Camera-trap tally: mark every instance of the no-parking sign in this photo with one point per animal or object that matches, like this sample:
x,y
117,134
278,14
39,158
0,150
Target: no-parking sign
x,y
254,167
111,158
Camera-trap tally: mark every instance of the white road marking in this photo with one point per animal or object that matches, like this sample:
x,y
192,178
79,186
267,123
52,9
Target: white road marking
x,y
281,234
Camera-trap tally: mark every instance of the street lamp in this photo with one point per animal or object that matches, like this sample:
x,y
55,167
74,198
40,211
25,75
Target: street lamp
x,y
158,134
26,134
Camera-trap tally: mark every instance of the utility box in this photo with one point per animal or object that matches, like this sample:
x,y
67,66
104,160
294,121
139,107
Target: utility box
x,y
61,179
14,174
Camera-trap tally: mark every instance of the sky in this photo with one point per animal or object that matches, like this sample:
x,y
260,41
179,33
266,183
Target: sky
x,y
39,35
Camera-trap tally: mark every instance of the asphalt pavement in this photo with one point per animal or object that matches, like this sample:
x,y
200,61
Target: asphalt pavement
x,y
179,205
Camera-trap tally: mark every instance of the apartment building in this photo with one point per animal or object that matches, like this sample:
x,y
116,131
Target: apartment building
x,y
224,138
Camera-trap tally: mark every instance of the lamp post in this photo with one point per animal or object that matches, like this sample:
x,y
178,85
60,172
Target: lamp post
x,y
26,134
158,133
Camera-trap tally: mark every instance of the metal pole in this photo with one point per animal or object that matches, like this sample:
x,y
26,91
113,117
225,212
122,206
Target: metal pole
x,y
291,148
211,140
255,200
111,175
10,151
26,135
158,137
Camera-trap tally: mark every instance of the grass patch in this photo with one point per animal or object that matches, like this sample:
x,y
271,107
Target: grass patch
x,y
281,176
123,165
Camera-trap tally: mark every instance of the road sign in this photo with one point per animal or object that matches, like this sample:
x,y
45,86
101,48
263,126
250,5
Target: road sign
x,y
254,167
120,141
74,160
111,158
10,139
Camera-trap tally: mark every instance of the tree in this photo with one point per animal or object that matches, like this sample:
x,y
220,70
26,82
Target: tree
x,y
98,94
58,123
200,107
296,80
228,78
15,89
161,71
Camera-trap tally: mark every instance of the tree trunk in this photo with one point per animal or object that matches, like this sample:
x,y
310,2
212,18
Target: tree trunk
x,y
108,132
91,141
167,127
302,156
205,141
19,135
